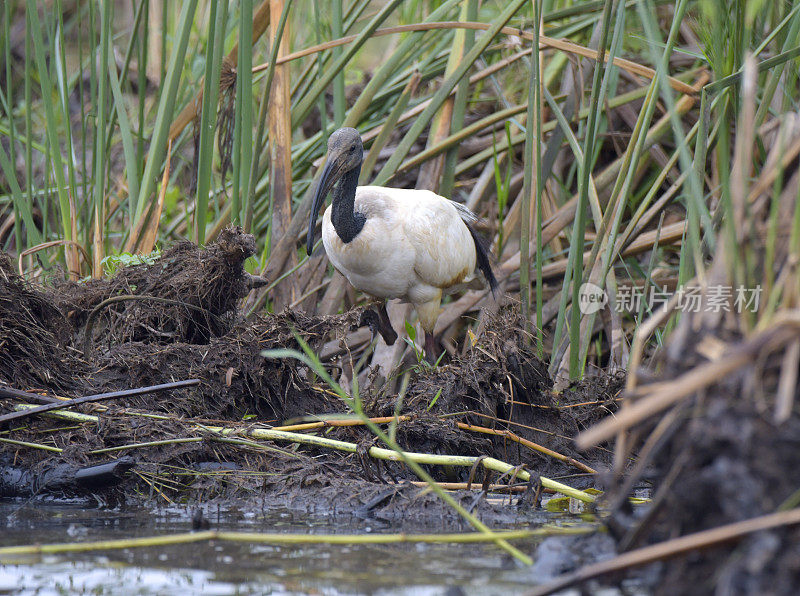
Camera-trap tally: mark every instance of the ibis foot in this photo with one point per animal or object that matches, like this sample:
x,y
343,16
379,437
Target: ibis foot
x,y
255,281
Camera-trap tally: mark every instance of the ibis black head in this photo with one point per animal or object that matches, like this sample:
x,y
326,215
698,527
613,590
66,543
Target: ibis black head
x,y
345,154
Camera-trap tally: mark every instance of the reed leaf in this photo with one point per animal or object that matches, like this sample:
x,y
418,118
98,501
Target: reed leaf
x,y
208,116
166,106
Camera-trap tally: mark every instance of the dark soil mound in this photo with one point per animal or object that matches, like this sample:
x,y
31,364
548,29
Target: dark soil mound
x,y
501,384
189,294
34,336
176,318
235,379
723,458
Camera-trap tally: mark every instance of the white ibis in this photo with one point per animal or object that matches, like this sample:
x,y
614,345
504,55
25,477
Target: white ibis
x,y
395,243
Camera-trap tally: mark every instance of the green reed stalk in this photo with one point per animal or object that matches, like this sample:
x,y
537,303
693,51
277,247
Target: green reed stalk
x,y
444,92
217,21
166,108
243,129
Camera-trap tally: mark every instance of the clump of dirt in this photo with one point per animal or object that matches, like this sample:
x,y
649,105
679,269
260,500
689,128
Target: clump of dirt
x,y
738,465
236,381
723,459
189,294
34,336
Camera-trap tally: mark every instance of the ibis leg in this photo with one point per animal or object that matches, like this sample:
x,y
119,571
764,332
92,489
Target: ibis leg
x,y
386,330
428,312
430,348
378,322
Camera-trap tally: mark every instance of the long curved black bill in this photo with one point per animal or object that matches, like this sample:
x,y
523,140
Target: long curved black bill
x,y
323,187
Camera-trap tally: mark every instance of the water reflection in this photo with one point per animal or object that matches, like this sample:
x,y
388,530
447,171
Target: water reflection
x,y
238,568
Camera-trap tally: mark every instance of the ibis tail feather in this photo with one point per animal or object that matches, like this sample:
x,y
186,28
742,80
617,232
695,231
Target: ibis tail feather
x,y
482,252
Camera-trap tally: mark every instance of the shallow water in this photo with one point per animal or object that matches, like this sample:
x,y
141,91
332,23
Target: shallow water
x,y
237,568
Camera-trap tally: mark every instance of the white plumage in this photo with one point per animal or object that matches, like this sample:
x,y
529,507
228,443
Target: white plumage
x,y
414,244
411,244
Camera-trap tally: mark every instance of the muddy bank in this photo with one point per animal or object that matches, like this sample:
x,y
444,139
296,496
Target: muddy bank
x,y
176,318
722,455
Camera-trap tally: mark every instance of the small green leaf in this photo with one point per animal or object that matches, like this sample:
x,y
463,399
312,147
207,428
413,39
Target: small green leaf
x,y
411,331
557,505
112,263
435,398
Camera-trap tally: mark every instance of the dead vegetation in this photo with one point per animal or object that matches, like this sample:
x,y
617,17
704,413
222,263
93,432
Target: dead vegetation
x,y
188,295
177,444
712,422
34,335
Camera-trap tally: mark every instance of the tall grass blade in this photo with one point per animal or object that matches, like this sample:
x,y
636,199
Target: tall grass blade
x,y
447,184
263,111
697,210
149,232
6,98
166,106
125,130
444,91
280,138
533,166
304,106
404,50
576,244
54,130
444,122
21,203
337,31
100,157
208,116
388,128
243,130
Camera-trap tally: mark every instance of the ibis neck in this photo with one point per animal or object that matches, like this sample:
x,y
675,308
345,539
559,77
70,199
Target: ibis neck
x,y
346,221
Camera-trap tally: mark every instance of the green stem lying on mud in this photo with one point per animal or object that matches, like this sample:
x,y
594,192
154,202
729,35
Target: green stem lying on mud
x,y
394,452
174,441
31,445
274,538
267,434
62,414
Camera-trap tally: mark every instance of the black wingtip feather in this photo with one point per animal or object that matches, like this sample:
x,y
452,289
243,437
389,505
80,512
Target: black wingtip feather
x,y
484,265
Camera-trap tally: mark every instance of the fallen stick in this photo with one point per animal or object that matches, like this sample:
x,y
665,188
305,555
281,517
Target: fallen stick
x,y
462,425
530,444
337,423
671,548
489,463
95,398
6,391
503,488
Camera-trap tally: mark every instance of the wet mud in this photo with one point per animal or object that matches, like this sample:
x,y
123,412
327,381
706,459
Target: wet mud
x,y
722,459
178,318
